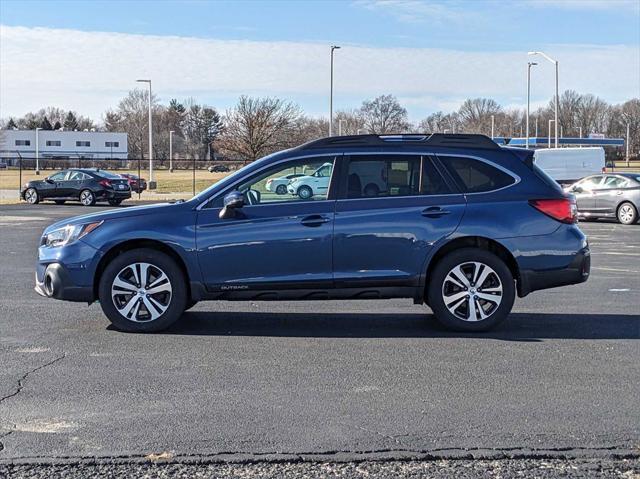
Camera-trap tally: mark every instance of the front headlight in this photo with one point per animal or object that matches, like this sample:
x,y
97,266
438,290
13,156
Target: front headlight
x,y
68,234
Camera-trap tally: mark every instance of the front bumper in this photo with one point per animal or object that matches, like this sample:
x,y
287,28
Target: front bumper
x,y
56,283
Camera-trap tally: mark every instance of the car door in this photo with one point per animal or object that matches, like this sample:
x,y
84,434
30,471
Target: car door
x,y
274,241
57,182
585,193
73,183
609,194
384,232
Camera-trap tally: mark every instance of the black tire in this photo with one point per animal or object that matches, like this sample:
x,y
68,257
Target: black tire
x,y
87,198
305,192
175,303
371,190
59,202
115,202
627,213
281,190
439,285
32,196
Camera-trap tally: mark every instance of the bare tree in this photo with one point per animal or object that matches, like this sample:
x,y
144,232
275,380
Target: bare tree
x,y
383,115
258,126
349,122
475,114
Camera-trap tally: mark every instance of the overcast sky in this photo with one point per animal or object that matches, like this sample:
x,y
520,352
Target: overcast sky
x,y
432,55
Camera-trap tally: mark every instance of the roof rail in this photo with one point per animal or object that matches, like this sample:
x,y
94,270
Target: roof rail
x,y
430,139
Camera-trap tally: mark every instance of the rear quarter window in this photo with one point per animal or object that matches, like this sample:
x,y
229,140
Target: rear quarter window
x,y
475,176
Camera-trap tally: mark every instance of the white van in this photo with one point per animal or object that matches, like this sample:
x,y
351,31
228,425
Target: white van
x,y
567,165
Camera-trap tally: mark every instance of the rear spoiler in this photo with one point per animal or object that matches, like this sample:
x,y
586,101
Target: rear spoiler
x,y
526,156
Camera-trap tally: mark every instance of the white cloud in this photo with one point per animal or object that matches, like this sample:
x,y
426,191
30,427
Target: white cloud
x,y
633,5
90,71
418,11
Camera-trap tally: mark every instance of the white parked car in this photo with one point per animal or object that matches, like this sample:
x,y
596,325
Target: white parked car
x,y
307,186
279,185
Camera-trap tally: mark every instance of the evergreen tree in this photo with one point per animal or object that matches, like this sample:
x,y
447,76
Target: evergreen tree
x,y
57,126
46,124
11,125
70,122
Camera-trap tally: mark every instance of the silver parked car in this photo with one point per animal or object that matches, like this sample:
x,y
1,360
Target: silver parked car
x,y
608,195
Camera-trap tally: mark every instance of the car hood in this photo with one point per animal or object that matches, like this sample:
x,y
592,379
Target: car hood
x,y
116,214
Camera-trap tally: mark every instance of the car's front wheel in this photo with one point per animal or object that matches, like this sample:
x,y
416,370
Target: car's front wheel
x,y
305,192
32,196
471,289
87,198
627,213
281,190
142,290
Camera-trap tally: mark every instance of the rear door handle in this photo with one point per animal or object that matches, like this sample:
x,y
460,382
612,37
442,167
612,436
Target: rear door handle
x,y
434,212
314,220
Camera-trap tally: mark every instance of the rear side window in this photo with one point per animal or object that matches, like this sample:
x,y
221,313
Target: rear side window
x,y
378,176
475,176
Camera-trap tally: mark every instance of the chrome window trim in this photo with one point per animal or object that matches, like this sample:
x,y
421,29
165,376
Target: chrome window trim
x,y
283,160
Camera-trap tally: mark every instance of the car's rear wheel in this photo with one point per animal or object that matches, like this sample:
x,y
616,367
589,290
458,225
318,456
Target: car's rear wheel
x,y
59,202
471,290
627,213
31,196
281,190
87,198
305,192
142,290
115,202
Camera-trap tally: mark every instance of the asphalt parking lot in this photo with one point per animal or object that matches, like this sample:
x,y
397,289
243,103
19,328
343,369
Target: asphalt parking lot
x,y
334,381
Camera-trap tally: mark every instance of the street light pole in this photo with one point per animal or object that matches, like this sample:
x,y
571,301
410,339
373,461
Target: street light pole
x,y
333,47
152,184
628,138
340,127
529,65
557,102
549,132
37,152
493,124
171,151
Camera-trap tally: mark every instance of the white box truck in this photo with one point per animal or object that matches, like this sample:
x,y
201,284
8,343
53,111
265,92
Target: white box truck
x,y
567,165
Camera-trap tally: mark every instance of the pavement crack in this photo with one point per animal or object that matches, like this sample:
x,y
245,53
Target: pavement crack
x,y
24,377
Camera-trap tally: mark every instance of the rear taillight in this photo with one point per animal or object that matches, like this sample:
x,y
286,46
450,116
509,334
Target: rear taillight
x,y
105,183
561,209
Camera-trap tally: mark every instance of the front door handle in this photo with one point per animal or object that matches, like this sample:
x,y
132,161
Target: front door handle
x,y
314,220
434,212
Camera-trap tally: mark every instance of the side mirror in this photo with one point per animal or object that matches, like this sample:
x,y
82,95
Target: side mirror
x,y
49,180
232,202
577,189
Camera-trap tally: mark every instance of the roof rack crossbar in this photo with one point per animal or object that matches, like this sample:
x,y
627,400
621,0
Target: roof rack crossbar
x,y
430,139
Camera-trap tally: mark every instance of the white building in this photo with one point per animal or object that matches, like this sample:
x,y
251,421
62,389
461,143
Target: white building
x,y
56,144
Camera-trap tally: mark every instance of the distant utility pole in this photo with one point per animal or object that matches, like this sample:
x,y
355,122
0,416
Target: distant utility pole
x,y
171,151
38,152
333,47
152,184
628,141
493,124
529,65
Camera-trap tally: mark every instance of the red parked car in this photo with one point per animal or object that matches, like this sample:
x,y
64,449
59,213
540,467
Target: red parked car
x,y
137,184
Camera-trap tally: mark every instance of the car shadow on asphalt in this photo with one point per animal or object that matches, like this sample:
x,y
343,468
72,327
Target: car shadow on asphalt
x,y
526,327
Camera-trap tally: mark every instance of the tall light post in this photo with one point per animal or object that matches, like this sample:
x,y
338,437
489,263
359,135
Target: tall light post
x,y
340,122
333,47
171,151
493,124
627,145
549,132
557,102
529,65
152,184
37,152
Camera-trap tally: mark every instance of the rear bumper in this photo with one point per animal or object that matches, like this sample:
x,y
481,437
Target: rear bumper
x,y
576,272
56,283
113,195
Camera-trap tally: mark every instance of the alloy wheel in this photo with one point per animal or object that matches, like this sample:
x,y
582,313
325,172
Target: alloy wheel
x,y
86,198
626,214
31,196
472,291
141,292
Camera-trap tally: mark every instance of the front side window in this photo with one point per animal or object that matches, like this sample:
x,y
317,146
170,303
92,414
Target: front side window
x,y
299,180
590,183
375,176
475,176
58,176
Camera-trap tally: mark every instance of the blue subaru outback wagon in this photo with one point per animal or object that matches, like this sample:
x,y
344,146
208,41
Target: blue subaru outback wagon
x,y
452,221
